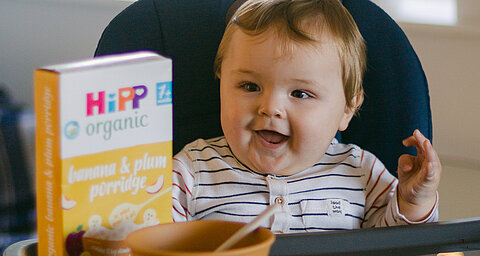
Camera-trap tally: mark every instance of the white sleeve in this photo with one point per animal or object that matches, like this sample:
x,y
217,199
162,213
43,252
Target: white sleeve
x,y
183,180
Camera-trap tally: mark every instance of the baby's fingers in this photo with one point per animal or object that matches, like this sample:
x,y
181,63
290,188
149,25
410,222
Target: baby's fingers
x,y
406,163
432,161
416,140
421,139
430,153
410,141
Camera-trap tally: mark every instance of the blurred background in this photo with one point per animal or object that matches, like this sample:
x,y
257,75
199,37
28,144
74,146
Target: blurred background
x,y
446,36
444,33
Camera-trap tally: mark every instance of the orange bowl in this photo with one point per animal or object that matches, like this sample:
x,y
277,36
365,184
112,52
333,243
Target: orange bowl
x,y
197,238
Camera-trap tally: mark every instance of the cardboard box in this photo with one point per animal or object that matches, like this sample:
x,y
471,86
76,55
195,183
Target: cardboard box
x,y
103,152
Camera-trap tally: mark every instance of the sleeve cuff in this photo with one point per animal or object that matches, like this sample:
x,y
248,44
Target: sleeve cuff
x,y
401,219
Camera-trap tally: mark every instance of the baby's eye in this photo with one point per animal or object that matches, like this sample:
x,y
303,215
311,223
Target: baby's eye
x,y
250,87
301,94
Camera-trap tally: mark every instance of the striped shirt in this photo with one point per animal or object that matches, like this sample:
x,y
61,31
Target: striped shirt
x,y
348,188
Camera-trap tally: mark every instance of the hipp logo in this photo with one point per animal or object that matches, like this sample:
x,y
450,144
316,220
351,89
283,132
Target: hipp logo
x,y
116,101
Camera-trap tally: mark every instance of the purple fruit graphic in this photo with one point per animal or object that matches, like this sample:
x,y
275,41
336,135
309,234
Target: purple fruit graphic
x,y
74,244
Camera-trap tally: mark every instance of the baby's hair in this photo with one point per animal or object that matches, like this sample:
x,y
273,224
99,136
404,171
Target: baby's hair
x,y
302,22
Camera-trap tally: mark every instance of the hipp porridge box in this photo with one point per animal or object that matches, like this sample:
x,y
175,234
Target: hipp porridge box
x,y
103,152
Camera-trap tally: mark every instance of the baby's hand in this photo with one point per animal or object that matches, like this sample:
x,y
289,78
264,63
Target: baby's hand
x,y
419,178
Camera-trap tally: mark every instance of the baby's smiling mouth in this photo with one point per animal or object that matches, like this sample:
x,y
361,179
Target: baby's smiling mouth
x,y
272,137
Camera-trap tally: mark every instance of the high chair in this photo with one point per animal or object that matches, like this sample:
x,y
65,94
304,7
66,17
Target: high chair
x,y
189,31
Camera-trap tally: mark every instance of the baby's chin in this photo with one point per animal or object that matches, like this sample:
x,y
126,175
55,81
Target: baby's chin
x,y
271,162
274,167
283,165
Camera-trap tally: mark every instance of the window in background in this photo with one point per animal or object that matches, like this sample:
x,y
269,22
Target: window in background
x,y
437,12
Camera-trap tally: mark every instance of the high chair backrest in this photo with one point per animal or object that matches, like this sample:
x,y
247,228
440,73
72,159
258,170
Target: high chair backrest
x,y
189,31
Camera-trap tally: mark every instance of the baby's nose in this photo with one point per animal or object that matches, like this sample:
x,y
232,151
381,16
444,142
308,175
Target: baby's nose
x,y
271,107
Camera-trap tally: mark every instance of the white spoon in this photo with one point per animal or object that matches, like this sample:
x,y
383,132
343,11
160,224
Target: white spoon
x,y
245,230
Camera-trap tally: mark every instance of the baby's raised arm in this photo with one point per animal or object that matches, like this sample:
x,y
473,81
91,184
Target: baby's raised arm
x,y
419,178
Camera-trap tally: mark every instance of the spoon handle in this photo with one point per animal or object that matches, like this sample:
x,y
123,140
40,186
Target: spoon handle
x,y
245,230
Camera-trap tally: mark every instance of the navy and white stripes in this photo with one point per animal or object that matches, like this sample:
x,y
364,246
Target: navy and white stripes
x,y
348,188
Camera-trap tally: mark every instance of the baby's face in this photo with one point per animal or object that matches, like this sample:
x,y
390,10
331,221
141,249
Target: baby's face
x,y
280,112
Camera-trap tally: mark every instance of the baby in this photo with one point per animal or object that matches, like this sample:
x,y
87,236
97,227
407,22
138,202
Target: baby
x,y
290,77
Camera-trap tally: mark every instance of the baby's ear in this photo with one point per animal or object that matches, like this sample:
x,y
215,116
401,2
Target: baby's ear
x,y
347,116
350,112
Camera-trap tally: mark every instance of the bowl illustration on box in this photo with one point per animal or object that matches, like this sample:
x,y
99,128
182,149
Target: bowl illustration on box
x,y
99,247
99,240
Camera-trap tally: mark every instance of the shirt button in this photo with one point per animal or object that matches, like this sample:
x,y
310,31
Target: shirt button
x,y
280,200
